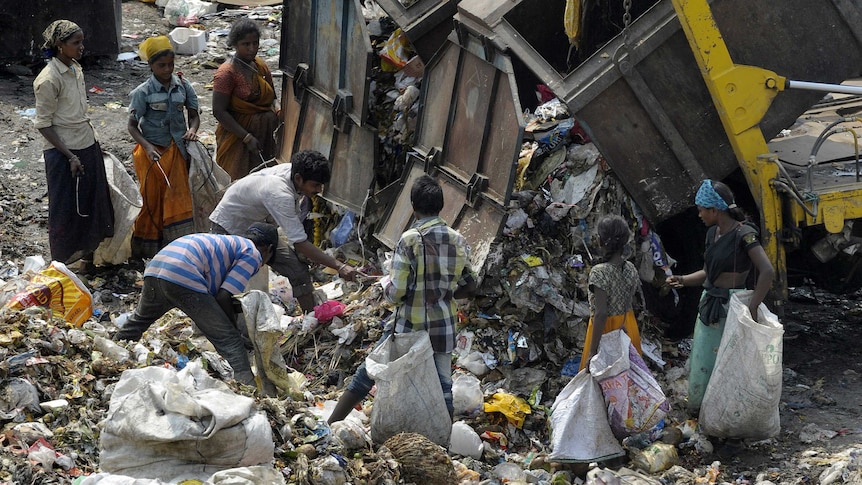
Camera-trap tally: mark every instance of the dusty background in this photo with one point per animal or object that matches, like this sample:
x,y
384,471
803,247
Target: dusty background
x,y
822,364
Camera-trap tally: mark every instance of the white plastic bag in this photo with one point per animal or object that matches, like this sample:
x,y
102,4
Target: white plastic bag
x,y
742,397
183,13
580,432
207,182
127,202
409,396
467,397
635,401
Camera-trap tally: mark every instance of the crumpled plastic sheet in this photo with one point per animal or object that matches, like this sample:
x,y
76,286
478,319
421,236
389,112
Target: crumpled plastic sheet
x,y
17,396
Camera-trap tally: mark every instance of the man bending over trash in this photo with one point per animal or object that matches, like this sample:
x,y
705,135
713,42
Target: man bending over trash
x,y
430,270
276,194
199,274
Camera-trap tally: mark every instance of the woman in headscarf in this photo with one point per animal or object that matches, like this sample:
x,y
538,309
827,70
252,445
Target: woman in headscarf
x,y
732,249
244,104
80,214
158,124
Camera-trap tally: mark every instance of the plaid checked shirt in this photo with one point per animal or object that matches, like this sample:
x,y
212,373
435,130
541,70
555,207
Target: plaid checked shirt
x,y
430,262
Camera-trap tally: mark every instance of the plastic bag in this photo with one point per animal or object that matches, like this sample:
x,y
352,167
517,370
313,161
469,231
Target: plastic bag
x,y
183,13
264,330
409,397
59,289
127,202
207,182
467,395
513,407
580,432
635,401
327,310
395,52
342,231
742,397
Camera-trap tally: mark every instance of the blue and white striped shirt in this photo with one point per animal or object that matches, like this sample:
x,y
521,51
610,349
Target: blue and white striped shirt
x,y
207,262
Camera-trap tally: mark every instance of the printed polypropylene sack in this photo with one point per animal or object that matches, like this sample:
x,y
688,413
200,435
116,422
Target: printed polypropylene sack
x,y
743,394
127,202
635,400
207,182
580,432
409,397
57,288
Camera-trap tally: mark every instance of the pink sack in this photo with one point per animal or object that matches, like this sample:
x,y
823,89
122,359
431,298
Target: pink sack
x,y
328,309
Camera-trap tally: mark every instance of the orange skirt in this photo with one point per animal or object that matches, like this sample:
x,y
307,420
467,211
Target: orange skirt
x,y
167,211
626,321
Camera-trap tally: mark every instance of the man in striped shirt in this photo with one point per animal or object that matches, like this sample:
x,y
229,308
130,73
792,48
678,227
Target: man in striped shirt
x,y
430,270
199,274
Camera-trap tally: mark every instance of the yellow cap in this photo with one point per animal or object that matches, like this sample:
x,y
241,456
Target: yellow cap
x,y
151,46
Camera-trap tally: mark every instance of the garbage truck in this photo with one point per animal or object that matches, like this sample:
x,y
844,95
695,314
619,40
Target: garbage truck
x,y
671,92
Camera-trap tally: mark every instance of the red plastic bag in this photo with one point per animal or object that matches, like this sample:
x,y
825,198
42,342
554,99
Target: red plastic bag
x,y
327,310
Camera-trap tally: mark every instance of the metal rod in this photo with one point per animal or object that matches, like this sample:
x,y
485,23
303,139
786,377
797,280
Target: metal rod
x,y
826,88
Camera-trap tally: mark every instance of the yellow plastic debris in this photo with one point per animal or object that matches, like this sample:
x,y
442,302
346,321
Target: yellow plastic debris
x,y
513,407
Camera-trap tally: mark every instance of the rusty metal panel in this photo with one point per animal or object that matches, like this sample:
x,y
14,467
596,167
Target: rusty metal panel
x,y
440,75
401,213
473,93
356,64
295,35
503,144
480,224
291,109
315,128
353,159
326,41
22,24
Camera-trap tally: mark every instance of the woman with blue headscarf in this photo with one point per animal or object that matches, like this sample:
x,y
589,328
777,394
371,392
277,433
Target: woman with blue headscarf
x,y
732,248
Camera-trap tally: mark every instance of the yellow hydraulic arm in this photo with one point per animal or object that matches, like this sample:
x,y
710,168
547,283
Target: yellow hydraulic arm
x,y
741,94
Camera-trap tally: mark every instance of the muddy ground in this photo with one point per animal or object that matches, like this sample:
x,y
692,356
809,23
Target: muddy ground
x,y
821,351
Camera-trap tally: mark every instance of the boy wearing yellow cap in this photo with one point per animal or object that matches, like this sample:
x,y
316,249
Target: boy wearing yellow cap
x,y
158,124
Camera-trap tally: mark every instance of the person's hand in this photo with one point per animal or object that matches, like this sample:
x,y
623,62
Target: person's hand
x,y
675,281
251,143
753,311
350,273
191,135
75,166
154,154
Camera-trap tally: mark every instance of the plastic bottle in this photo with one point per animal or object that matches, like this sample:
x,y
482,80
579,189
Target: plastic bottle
x,y
656,457
110,349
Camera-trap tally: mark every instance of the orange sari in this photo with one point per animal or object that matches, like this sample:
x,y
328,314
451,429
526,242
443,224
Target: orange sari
x,y
167,212
626,321
258,118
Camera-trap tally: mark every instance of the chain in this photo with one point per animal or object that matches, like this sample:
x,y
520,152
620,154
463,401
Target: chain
x,y
627,19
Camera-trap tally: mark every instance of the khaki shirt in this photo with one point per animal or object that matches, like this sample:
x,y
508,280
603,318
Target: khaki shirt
x,y
61,102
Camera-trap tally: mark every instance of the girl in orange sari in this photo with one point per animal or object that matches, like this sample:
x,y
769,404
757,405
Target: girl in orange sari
x,y
158,124
244,105
613,285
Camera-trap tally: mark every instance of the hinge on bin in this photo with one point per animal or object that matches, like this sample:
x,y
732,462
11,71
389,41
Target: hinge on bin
x,y
300,82
432,161
477,185
342,104
462,33
488,48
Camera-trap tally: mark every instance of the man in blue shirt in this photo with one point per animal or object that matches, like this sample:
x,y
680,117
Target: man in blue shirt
x,y
200,274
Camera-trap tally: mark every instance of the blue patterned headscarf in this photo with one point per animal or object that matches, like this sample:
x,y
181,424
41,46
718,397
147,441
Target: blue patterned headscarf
x,y
708,197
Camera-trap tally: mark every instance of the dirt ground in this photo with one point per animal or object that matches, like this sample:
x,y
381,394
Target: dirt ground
x,y
821,352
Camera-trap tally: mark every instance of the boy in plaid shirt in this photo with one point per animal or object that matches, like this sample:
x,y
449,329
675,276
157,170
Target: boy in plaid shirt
x,y
430,270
